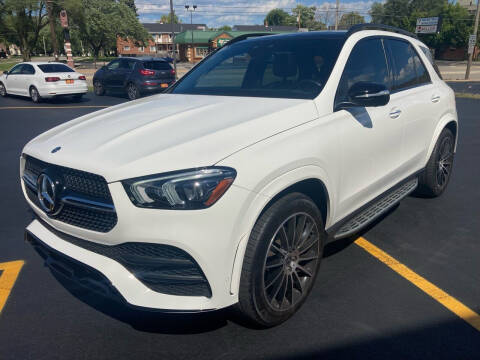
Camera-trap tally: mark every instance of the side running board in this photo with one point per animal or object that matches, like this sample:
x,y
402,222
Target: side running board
x,y
376,209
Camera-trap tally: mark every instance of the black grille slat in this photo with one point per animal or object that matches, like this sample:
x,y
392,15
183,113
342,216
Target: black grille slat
x,y
186,279
82,184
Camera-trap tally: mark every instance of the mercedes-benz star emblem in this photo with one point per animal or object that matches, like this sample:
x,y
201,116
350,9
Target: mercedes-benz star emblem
x,y
46,193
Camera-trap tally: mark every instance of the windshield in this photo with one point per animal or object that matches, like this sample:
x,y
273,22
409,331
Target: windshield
x,y
285,67
55,68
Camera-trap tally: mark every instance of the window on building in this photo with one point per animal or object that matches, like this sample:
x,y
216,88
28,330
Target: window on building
x,y
141,48
126,48
201,51
152,49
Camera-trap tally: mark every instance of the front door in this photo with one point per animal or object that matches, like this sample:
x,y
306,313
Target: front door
x,y
14,80
371,138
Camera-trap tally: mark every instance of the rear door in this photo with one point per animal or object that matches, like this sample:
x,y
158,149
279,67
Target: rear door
x,y
123,72
110,74
414,100
26,80
371,140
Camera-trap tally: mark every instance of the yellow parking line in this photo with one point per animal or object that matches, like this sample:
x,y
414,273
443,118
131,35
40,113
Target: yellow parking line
x,y
53,107
423,284
7,279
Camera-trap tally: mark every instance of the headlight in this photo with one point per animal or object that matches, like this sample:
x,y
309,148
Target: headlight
x,y
187,189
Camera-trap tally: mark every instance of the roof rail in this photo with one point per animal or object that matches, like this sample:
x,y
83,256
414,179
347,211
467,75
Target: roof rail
x,y
246,36
360,27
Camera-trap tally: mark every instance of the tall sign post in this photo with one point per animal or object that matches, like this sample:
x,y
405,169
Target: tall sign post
x,y
172,22
472,40
66,32
52,29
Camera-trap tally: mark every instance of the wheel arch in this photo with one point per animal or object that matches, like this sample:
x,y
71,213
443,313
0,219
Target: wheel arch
x,y
448,121
314,187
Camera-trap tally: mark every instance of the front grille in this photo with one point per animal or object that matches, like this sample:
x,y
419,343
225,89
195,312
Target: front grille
x,y
163,268
81,185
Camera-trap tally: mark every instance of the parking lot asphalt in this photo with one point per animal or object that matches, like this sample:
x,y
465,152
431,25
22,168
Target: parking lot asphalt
x,y
359,308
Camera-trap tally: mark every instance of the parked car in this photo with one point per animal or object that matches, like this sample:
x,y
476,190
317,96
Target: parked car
x,y
42,80
135,76
224,190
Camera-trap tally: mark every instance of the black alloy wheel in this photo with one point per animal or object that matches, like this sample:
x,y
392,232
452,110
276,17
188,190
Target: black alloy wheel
x,y
291,261
98,88
132,91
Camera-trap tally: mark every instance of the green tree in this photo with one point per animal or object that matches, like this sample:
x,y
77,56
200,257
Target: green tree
x,y
278,17
225,28
101,22
351,18
131,5
21,22
167,19
457,23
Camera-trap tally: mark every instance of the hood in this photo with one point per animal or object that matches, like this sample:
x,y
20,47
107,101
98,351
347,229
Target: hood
x,y
167,132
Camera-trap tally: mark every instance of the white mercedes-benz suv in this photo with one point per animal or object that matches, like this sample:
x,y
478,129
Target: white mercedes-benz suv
x,y
224,190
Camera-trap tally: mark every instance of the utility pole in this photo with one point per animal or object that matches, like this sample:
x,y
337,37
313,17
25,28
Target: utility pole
x,y
52,29
191,23
336,14
475,30
172,17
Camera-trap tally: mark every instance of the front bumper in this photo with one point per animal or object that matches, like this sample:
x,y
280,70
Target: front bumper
x,y
102,274
210,238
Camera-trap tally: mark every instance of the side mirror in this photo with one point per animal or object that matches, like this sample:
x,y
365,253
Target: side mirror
x,y
368,94
5,72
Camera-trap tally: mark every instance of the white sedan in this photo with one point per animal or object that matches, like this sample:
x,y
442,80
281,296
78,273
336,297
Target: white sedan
x,y
42,80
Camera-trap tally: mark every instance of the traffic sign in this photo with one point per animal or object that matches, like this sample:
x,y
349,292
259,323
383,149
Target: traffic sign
x,y
472,40
430,25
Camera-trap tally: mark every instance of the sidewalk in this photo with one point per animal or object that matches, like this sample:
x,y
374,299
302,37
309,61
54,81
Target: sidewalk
x,y
455,70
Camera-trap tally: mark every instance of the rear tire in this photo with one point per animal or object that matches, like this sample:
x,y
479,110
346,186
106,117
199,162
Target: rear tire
x,y
281,261
435,178
132,91
3,90
34,95
98,88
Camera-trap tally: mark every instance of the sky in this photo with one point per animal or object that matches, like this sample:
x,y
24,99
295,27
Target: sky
x,y
216,13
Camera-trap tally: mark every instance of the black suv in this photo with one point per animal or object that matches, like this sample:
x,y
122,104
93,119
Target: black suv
x,y
135,76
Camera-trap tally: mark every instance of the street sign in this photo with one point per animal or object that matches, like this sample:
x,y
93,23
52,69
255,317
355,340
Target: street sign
x,y
472,40
430,25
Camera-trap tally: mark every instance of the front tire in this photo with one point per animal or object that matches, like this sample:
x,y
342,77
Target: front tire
x,y
132,91
3,90
34,95
281,260
435,178
98,88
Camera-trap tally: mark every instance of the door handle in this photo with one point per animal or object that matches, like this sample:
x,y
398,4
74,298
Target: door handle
x,y
435,98
395,113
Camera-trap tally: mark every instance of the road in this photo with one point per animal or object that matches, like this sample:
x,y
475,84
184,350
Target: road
x,y
359,309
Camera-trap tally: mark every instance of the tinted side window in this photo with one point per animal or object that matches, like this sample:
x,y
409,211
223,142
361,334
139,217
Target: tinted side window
x,y
113,65
16,70
28,69
422,74
367,62
127,64
404,69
